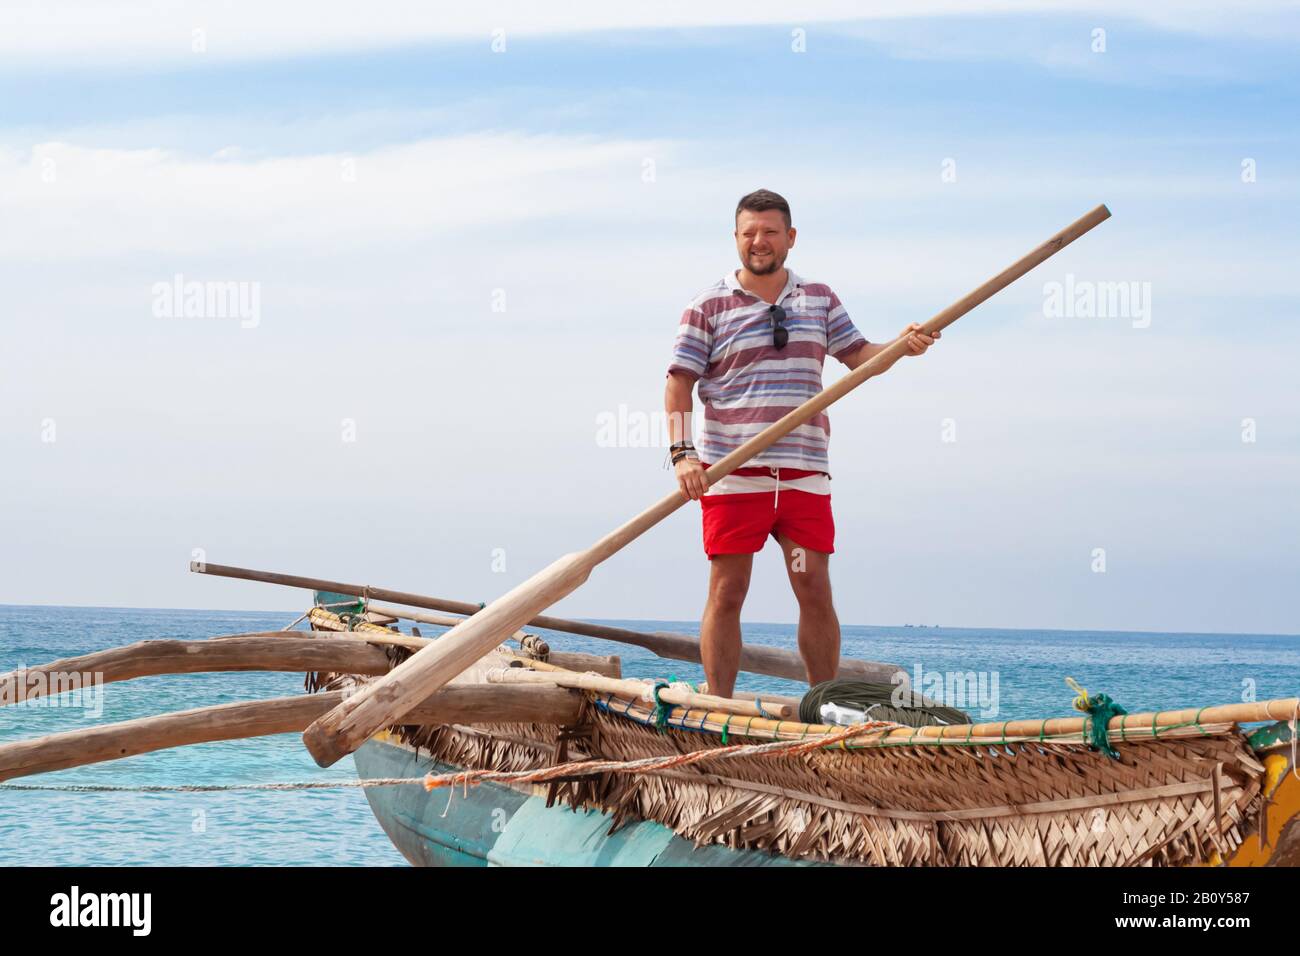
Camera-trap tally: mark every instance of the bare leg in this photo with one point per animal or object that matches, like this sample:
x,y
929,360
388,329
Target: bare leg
x,y
720,626
819,628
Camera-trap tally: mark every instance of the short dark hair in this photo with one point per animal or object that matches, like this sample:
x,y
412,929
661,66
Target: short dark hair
x,y
760,200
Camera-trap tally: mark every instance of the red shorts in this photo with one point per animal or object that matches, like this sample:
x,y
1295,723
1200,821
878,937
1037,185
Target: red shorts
x,y
740,523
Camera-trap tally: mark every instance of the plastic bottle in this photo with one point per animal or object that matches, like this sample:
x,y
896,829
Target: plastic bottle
x,y
842,716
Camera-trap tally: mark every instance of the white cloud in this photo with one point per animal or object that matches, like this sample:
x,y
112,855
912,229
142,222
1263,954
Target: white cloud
x,y
155,201
33,34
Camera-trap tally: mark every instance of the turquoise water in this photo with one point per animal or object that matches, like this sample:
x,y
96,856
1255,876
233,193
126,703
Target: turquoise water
x,y
335,827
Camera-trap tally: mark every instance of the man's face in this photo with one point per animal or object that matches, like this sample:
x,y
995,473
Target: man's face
x,y
763,240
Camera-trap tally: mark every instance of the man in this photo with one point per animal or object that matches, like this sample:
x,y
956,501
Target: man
x,y
756,341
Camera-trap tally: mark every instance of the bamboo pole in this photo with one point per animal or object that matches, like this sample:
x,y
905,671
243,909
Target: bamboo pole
x,y
1135,726
611,666
264,651
642,691
405,614
323,620
754,658
1280,709
461,703
347,726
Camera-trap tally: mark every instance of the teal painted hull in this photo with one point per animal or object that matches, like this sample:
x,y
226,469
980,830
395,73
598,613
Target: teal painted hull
x,y
497,826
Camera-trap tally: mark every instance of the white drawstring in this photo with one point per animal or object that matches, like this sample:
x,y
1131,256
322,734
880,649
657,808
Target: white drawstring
x,y
776,473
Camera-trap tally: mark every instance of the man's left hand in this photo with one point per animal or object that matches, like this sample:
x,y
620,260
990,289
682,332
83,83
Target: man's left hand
x,y
917,340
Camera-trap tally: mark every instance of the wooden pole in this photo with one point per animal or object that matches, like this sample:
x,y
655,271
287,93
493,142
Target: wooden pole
x,y
327,621
405,614
639,689
754,658
439,620
264,651
382,702
461,703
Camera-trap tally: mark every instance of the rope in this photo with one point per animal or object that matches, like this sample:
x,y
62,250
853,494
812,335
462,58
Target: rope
x,y
878,699
662,710
1102,710
586,768
301,617
213,787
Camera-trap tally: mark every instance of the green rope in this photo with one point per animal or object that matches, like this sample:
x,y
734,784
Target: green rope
x,y
661,710
1101,709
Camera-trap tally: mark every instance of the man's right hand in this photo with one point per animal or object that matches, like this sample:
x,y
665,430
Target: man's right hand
x,y
690,478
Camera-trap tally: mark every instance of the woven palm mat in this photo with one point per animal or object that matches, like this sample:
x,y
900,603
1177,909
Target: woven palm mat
x,y
1024,804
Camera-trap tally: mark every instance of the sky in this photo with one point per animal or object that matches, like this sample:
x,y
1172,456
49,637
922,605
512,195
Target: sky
x,y
460,241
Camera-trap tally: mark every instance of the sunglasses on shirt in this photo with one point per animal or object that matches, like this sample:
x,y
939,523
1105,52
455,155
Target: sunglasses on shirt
x,y
780,334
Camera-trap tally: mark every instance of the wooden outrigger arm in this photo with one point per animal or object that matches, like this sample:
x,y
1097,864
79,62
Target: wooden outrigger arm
x,y
384,701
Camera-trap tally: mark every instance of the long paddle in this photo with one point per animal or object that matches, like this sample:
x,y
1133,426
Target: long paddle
x,y
382,702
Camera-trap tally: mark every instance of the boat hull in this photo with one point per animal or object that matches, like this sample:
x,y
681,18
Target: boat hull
x,y
494,825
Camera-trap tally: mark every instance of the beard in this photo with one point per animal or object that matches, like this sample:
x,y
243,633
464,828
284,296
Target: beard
x,y
772,264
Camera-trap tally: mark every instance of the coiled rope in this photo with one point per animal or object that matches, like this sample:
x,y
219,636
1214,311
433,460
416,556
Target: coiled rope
x,y
878,701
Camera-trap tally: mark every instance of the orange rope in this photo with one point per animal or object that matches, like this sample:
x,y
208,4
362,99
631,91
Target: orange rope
x,y
584,768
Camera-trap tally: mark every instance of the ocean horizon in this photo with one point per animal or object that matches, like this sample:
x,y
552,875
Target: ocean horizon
x,y
1020,673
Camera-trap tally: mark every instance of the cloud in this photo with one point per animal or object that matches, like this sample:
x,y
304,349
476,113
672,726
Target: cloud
x,y
83,33
71,197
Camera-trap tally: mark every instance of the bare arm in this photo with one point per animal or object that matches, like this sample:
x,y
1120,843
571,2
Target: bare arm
x,y
917,343
677,405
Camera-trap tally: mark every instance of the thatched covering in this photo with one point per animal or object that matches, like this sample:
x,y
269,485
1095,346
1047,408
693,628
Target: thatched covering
x,y
1026,803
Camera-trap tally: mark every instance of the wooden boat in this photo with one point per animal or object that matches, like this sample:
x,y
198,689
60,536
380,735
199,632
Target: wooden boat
x,y
534,756
1182,791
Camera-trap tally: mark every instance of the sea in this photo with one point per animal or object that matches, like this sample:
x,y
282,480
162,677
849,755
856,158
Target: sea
x,y
999,674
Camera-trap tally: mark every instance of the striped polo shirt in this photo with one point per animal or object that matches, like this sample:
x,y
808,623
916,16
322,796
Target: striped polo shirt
x,y
745,383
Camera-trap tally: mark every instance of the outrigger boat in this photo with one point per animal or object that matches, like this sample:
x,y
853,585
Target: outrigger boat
x,y
630,780
541,757
473,750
